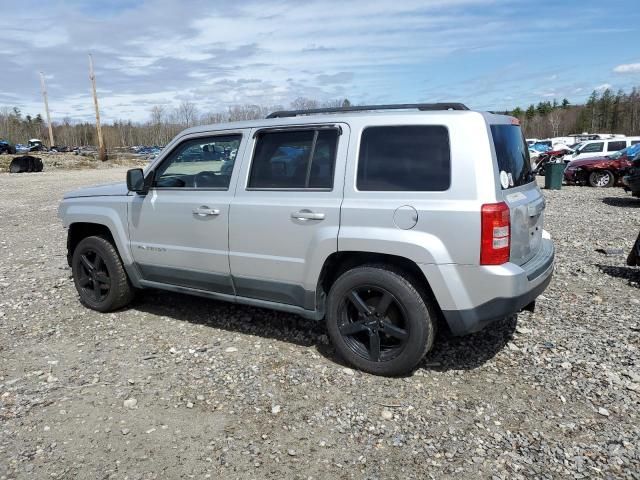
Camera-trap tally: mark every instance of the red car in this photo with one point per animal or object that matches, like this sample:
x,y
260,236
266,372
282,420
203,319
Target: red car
x,y
600,171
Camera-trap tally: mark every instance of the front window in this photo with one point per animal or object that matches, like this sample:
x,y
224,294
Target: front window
x,y
205,162
596,147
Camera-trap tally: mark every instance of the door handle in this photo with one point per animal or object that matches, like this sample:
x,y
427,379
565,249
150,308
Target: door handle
x,y
205,211
307,215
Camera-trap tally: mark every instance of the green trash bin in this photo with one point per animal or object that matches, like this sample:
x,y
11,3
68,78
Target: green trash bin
x,y
553,174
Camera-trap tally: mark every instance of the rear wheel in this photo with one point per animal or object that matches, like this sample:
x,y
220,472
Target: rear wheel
x,y
601,178
378,321
99,275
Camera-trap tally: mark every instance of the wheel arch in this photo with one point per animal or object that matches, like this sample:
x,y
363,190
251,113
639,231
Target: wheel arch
x,y
80,230
339,262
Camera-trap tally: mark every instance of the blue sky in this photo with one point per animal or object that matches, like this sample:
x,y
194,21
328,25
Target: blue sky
x,y
489,54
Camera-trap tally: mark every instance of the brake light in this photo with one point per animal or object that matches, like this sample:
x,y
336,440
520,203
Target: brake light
x,y
496,234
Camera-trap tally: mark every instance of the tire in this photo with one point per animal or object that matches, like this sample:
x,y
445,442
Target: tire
x,y
98,255
601,178
405,330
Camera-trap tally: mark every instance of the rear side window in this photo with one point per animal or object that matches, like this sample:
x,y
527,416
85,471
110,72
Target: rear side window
x,y
512,155
617,145
297,159
404,158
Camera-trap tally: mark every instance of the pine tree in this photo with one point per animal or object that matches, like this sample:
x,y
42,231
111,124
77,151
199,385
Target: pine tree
x,y
531,112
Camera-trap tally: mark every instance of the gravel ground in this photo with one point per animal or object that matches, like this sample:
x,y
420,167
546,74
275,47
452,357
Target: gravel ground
x,y
183,387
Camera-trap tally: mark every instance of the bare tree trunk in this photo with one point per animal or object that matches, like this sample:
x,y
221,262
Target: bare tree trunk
x,y
46,109
102,152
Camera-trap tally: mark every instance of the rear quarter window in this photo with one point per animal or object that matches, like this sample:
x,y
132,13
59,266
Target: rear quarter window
x,y
512,155
404,158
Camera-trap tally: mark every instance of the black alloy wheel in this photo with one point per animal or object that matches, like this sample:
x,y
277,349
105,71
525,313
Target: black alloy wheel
x,y
94,279
373,323
380,319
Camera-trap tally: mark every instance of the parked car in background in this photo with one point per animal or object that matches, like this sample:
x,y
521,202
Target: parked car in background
x,y
632,179
541,146
36,145
598,148
604,171
6,147
555,155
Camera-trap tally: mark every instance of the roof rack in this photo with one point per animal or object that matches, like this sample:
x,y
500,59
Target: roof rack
x,y
364,108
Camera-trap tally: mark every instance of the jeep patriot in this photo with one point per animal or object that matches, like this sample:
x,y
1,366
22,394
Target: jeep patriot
x,y
379,220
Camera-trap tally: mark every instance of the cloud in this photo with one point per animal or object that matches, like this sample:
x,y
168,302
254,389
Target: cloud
x,y
374,51
603,87
339,78
627,68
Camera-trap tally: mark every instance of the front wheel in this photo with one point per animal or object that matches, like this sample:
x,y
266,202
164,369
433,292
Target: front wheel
x,y
601,178
378,321
99,275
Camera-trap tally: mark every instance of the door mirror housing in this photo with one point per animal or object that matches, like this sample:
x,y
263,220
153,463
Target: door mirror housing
x,y
137,182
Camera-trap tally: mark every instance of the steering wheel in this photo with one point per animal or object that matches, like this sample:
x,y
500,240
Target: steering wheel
x,y
205,179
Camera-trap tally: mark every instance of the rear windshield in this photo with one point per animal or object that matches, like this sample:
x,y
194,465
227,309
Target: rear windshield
x,y
512,154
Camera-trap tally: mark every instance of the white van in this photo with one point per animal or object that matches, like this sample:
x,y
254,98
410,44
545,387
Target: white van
x,y
600,148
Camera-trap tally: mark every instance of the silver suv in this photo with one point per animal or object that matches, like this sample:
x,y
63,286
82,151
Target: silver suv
x,y
381,220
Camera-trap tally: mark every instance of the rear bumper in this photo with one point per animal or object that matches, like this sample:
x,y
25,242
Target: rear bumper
x,y
479,295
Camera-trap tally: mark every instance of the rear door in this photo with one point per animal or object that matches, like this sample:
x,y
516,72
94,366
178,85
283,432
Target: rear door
x,y
285,215
520,191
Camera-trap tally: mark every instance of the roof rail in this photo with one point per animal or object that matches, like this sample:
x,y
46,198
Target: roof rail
x,y
364,108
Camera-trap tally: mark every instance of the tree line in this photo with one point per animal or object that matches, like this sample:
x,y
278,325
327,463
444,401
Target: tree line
x,y
603,112
162,125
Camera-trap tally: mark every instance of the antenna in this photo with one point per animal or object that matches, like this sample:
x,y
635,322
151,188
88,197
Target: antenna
x,y
46,109
92,76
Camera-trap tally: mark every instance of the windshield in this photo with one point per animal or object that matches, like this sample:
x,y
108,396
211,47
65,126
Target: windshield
x,y
512,155
618,154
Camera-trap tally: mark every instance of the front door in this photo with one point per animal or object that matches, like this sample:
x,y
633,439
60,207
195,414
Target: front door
x,y
286,213
179,230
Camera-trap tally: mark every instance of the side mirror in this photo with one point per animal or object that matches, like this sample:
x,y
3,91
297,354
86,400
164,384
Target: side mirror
x,y
136,181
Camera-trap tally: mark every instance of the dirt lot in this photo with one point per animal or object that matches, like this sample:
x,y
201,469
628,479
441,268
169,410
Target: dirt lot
x,y
182,387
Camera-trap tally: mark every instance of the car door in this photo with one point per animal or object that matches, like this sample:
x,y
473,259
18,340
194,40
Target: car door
x,y
179,230
285,215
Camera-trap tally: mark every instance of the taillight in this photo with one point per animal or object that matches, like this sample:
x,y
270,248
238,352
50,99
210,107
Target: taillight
x,y
496,234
